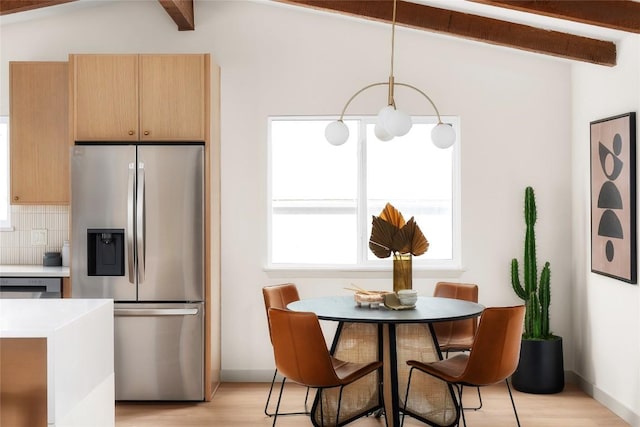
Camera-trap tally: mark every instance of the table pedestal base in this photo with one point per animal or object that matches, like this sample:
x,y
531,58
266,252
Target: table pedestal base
x,y
430,400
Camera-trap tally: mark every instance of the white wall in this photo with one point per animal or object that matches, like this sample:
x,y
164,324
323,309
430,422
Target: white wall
x,y
515,111
606,312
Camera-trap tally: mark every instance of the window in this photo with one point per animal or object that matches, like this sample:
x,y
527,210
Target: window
x,y
322,197
5,208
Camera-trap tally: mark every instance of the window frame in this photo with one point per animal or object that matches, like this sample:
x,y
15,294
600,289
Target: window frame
x,y
422,267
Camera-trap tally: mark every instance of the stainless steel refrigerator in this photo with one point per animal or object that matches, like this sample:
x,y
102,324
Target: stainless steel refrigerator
x,y
138,238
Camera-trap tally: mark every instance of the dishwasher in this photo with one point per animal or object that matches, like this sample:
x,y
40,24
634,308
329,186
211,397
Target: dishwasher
x,y
30,287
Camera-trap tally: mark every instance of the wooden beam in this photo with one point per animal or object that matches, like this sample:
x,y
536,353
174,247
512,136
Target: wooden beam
x,y
474,27
13,6
623,15
181,11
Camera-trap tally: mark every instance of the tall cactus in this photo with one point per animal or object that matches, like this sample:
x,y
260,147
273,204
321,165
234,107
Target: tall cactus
x,y
536,298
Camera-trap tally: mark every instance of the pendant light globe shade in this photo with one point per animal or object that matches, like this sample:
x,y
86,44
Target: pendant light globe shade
x,y
383,115
381,133
443,135
398,123
336,132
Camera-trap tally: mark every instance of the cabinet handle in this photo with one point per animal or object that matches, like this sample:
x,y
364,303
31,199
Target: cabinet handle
x,y
16,198
146,132
131,132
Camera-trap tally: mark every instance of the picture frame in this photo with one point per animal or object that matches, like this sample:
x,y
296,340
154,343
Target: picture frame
x,y
613,197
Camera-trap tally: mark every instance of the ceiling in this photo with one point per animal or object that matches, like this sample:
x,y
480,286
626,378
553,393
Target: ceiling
x,y
580,30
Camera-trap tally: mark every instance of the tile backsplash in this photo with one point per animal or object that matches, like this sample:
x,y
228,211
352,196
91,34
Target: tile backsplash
x,y
17,247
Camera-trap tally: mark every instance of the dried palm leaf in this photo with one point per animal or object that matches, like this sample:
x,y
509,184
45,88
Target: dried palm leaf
x,y
420,244
392,216
381,239
410,239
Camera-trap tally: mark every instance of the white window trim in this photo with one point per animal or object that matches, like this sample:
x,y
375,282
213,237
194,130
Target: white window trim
x,y
422,268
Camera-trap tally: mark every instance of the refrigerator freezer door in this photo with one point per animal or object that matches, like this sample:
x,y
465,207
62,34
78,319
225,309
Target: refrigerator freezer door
x,y
170,236
102,179
159,351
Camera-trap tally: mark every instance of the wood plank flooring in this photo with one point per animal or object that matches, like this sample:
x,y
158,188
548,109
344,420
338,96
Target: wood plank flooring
x,y
242,404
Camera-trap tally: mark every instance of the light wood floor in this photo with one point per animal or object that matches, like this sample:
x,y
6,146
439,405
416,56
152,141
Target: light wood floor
x,y
242,404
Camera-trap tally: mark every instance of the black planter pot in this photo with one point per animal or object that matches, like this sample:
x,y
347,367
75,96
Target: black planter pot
x,y
541,368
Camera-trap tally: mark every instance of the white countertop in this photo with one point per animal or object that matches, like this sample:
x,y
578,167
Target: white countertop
x,y
29,318
33,271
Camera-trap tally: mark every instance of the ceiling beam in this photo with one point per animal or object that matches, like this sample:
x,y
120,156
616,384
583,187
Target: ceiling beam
x,y
474,27
13,6
181,11
623,15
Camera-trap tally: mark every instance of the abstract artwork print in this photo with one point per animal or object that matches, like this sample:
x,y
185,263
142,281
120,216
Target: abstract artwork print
x,y
613,198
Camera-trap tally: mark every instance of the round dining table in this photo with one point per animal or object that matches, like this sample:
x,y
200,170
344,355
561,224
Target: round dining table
x,y
366,333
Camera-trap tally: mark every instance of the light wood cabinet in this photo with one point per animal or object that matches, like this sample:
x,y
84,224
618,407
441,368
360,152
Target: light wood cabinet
x,y
140,97
38,129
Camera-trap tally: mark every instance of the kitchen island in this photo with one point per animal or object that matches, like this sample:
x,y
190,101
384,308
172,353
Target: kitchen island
x,y
56,362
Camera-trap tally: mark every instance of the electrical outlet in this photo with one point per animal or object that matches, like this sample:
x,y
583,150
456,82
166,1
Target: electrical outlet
x,y
39,237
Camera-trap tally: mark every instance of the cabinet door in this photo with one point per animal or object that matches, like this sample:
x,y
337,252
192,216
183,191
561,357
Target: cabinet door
x,y
172,97
39,132
105,97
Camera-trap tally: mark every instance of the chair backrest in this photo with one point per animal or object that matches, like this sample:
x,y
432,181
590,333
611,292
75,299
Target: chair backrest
x,y
496,348
299,348
279,296
458,329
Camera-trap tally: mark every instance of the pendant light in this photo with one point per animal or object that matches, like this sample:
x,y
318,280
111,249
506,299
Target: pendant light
x,y
391,122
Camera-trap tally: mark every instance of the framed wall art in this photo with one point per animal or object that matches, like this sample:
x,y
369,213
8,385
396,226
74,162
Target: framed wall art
x,y
613,197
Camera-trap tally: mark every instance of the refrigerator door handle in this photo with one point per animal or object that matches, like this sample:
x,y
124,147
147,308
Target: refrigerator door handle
x,y
130,215
140,217
154,312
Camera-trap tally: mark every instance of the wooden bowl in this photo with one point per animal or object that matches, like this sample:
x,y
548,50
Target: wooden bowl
x,y
373,299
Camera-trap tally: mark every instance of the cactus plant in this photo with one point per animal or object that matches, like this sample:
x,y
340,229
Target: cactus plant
x,y
535,294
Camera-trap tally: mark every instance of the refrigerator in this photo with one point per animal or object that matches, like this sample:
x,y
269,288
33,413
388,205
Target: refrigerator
x,y
137,216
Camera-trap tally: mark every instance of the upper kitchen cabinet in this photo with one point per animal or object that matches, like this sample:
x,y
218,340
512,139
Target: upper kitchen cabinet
x,y
140,97
38,115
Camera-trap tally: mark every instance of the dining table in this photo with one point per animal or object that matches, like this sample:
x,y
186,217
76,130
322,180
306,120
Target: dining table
x,y
368,333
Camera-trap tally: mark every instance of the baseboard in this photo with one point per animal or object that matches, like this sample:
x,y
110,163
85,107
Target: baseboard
x,y
247,375
607,400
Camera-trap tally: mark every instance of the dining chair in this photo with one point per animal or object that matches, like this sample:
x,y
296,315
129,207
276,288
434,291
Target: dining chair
x,y
457,335
302,356
493,357
279,296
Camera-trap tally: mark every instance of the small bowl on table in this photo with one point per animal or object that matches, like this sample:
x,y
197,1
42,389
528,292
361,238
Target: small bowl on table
x,y
407,297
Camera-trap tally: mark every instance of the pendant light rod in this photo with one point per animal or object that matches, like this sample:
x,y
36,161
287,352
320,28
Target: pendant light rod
x,y
390,100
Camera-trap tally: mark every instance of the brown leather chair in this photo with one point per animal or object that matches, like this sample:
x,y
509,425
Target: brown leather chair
x,y
301,355
279,296
457,335
493,357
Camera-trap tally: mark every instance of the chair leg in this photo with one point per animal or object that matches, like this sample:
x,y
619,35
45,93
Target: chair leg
x,y
512,402
266,406
475,408
306,398
275,416
460,388
406,396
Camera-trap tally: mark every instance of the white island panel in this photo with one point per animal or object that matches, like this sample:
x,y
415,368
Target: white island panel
x,y
79,333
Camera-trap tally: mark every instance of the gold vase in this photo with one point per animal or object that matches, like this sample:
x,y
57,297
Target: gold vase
x,y
402,272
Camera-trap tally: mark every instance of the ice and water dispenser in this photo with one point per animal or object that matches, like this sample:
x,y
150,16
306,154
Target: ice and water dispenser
x,y
105,252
